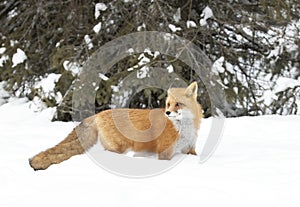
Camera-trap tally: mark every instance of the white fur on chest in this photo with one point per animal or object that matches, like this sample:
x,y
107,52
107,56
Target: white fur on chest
x,y
184,123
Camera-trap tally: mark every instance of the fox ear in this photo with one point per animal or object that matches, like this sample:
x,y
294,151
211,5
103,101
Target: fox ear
x,y
192,90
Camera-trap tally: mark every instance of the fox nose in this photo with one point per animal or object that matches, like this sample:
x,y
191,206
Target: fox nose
x,y
168,112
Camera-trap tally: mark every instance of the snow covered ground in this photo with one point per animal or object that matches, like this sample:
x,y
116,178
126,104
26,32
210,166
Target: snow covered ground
x,y
256,164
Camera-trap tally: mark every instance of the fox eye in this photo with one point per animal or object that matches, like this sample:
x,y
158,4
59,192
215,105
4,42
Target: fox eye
x,y
179,104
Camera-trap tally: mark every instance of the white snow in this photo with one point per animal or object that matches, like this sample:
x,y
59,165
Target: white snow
x,y
283,40
143,72
18,58
143,59
170,69
97,27
190,24
207,13
13,42
177,15
110,22
217,66
3,59
156,54
103,77
147,51
273,87
283,83
48,83
12,13
74,67
37,105
57,44
173,28
141,27
88,41
130,51
45,88
98,8
256,164
2,50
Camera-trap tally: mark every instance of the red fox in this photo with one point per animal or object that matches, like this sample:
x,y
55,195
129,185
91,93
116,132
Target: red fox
x,y
162,131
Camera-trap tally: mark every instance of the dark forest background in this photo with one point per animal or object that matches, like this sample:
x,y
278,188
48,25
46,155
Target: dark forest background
x,y
254,45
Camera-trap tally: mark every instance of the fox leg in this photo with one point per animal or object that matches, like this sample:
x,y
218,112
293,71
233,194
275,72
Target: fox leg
x,y
167,154
192,151
117,149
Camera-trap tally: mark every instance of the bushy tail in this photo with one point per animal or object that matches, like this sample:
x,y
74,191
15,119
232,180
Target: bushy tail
x,y
80,139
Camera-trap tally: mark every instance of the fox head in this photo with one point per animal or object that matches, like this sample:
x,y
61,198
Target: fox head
x,y
181,103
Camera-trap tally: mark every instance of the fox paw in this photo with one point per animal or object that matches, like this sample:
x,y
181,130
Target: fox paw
x,y
192,152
